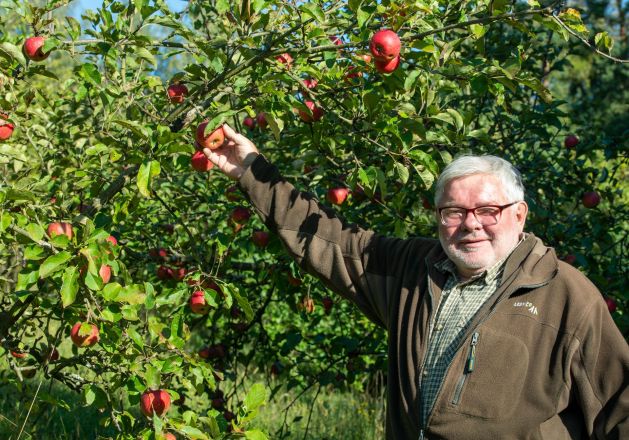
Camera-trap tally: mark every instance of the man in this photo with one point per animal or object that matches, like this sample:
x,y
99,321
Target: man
x,y
489,335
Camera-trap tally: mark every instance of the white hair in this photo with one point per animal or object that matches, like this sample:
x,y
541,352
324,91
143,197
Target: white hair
x,y
463,166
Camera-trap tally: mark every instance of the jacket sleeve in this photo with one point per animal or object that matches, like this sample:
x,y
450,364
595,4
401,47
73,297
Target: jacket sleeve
x,y
324,245
600,373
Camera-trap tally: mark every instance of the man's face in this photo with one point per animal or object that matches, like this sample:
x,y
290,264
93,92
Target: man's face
x,y
471,246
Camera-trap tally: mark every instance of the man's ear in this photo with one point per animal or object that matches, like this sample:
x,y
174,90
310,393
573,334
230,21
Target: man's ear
x,y
521,212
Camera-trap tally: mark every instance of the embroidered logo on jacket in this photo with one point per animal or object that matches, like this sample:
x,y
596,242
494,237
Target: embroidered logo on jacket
x,y
529,306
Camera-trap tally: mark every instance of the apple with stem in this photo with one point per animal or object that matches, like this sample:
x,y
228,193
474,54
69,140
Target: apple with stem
x,y
591,199
337,196
154,402
200,162
385,45
32,48
213,140
84,334
6,128
316,113
197,302
177,93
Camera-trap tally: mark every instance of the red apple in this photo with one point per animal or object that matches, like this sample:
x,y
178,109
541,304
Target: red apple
x,y
198,304
571,141
6,128
200,162
154,402
60,228
327,304
112,240
212,141
218,403
216,351
306,304
285,59
366,58
591,199
177,93
337,195
158,253
81,338
317,113
164,273
310,83
249,122
293,281
228,415
240,214
611,304
336,40
169,436
261,120
105,273
18,354
179,273
51,355
32,48
260,238
385,45
426,203
387,66
232,193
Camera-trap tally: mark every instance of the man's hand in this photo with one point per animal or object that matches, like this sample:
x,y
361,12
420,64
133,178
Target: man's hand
x,y
235,155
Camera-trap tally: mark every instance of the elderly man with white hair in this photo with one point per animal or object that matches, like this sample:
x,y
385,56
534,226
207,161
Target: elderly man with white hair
x,y
490,336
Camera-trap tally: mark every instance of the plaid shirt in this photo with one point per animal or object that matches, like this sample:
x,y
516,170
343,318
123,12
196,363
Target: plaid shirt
x,y
459,303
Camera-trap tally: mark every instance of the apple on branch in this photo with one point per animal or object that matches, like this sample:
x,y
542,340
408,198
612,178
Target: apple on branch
x,y
316,113
591,199
249,122
177,92
84,334
337,196
197,302
32,48
285,59
154,402
60,228
261,120
385,45
6,128
571,141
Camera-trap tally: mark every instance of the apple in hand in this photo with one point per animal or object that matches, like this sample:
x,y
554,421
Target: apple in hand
x,y
385,45
6,128
60,228
198,304
260,238
387,66
177,93
32,48
212,141
82,338
591,199
200,162
154,402
337,195
571,141
317,113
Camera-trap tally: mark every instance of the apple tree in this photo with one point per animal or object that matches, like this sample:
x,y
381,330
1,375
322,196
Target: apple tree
x,y
136,275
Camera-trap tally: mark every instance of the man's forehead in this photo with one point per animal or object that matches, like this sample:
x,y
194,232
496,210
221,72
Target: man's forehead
x,y
482,188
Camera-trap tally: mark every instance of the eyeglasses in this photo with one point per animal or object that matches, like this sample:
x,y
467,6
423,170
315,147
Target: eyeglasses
x,y
485,215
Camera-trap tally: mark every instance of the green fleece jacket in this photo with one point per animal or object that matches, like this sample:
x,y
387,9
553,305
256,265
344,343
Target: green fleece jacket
x,y
549,361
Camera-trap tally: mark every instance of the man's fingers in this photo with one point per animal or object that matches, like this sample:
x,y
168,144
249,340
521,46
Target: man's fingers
x,y
233,136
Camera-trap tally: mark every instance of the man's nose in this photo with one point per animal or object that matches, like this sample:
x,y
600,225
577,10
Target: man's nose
x,y
470,222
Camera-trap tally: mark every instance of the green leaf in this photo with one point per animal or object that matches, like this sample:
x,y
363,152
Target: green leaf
x,y
54,263
604,41
70,285
256,397
11,52
146,174
110,291
313,10
193,433
145,54
153,377
137,128
255,434
135,337
401,172
89,72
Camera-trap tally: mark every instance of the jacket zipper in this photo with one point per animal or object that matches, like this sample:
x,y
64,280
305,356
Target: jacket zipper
x,y
470,364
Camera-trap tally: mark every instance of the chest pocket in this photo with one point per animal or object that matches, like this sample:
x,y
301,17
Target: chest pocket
x,y
494,376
